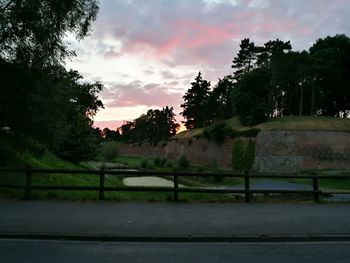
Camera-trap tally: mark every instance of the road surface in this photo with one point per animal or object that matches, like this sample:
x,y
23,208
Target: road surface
x,y
23,251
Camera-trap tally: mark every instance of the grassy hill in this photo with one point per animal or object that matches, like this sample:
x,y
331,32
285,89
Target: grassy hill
x,y
21,151
302,123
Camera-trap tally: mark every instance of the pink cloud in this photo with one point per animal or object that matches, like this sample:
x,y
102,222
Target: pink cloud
x,y
183,32
201,34
187,35
133,94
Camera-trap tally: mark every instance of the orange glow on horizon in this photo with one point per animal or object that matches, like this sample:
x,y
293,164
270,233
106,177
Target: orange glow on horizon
x,y
182,128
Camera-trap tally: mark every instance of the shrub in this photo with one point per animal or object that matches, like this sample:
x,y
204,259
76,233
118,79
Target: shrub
x,y
159,161
156,161
109,151
144,163
243,154
207,133
249,156
238,155
217,132
162,162
214,168
247,133
169,164
183,163
250,133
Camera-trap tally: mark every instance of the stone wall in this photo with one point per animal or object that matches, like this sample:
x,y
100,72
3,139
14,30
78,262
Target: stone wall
x,y
275,151
292,151
201,151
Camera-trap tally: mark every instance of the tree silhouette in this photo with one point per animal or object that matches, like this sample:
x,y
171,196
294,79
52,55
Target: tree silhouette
x,y
195,106
38,96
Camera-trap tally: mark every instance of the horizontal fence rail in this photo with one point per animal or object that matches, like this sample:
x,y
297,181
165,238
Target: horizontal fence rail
x,y
175,189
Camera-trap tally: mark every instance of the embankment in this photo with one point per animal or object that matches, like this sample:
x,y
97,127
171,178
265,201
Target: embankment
x,y
275,150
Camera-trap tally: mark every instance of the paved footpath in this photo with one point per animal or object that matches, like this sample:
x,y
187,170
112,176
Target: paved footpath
x,y
172,220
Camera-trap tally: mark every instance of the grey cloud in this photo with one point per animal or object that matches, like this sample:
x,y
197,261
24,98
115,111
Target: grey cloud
x,y
138,93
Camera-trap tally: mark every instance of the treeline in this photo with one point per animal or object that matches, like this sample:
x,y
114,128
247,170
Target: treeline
x,y
153,127
38,96
273,80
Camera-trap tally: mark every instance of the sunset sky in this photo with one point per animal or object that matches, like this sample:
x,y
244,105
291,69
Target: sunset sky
x,y
146,52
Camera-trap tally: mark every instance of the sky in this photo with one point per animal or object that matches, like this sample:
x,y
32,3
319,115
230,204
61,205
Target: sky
x,y
147,52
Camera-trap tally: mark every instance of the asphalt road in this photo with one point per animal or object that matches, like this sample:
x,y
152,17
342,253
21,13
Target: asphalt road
x,y
158,219
26,251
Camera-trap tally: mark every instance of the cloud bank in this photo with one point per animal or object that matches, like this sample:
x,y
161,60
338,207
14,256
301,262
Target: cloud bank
x,y
148,51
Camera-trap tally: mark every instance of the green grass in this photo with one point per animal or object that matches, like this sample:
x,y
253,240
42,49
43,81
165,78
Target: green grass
x,y
189,134
130,160
338,184
305,123
320,123
35,155
25,156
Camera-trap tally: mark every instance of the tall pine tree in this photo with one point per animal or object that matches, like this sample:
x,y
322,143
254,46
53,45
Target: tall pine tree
x,y
194,107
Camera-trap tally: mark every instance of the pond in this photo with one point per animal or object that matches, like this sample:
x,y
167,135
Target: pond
x,y
149,181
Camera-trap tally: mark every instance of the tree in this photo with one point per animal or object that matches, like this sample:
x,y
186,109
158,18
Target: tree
x,y
152,127
32,31
195,106
39,97
251,99
110,135
220,100
331,75
245,59
127,131
74,106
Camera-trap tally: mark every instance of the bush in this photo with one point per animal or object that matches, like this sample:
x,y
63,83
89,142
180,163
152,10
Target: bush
x,y
246,133
159,161
169,164
243,155
250,133
214,168
156,161
249,156
162,162
217,132
183,163
237,156
109,151
144,163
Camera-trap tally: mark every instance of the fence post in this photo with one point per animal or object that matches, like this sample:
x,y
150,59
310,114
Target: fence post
x,y
102,184
176,187
28,186
315,187
246,187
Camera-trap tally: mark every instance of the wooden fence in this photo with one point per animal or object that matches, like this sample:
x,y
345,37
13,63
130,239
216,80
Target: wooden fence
x,y
175,189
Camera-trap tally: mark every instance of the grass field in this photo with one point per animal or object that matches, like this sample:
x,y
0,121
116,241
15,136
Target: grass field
x,y
339,184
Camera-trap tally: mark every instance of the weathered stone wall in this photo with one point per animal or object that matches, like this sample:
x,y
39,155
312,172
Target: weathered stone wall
x,y
201,151
275,151
292,151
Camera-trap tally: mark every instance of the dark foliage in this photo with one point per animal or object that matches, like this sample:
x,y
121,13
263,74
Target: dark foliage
x,y
39,97
153,127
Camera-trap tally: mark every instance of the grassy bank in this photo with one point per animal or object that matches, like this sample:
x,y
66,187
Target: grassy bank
x,y
302,123
35,155
19,151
